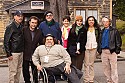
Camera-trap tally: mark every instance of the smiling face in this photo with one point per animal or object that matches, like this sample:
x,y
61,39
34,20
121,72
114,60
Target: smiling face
x,y
49,17
49,41
33,24
79,22
66,23
91,22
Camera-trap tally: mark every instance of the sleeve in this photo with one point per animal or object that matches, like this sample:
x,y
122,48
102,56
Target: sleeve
x,y
99,50
40,26
63,53
83,40
59,33
41,38
35,57
118,42
69,38
7,40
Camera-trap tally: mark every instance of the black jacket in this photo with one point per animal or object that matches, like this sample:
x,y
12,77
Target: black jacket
x,y
81,38
115,41
29,44
13,39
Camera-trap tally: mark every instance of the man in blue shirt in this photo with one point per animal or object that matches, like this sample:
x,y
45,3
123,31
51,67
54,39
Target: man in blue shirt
x,y
49,26
109,46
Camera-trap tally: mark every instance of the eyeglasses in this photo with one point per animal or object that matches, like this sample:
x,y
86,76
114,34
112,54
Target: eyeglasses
x,y
49,15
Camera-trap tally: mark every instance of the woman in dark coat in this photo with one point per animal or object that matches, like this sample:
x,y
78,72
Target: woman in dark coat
x,y
76,42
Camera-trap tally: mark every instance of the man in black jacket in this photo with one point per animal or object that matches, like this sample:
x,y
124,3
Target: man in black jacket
x,y
109,46
32,38
13,43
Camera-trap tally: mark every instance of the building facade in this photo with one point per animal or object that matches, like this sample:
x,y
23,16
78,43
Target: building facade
x,y
97,8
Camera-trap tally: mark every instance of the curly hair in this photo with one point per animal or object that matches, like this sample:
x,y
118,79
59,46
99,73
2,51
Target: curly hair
x,y
95,22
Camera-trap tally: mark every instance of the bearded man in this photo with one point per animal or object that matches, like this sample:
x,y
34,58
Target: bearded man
x,y
55,59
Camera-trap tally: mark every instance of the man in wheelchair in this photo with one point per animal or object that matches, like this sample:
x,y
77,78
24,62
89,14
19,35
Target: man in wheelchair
x,y
55,59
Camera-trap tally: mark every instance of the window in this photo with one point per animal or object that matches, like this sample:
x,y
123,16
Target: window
x,y
93,13
82,13
86,13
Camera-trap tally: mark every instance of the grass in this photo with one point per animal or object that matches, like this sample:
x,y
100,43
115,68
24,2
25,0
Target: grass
x,y
123,42
120,24
121,27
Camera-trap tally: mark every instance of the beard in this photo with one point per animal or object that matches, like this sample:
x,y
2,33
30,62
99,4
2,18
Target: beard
x,y
48,44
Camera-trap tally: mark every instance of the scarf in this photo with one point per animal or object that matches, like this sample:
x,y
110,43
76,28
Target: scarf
x,y
77,29
65,32
50,23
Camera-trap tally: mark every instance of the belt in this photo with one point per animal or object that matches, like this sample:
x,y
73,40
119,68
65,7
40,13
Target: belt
x,y
91,49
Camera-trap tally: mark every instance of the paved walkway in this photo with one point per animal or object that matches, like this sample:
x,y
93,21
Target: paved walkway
x,y
99,76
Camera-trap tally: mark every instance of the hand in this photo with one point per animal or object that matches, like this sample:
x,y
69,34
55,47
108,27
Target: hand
x,y
39,67
58,42
10,58
77,52
67,68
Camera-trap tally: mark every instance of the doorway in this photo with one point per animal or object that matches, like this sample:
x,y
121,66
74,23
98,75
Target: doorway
x,y
28,15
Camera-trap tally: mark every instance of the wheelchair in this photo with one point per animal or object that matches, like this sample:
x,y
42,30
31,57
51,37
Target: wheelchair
x,y
45,77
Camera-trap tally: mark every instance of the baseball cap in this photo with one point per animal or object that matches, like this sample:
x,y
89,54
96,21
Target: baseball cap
x,y
18,12
49,35
47,12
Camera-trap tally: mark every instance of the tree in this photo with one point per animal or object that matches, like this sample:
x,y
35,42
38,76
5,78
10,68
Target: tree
x,y
119,9
59,9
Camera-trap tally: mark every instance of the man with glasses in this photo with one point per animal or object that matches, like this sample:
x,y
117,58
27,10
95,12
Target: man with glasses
x,y
49,26
13,44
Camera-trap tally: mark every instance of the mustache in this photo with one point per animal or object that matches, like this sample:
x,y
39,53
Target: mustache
x,y
20,19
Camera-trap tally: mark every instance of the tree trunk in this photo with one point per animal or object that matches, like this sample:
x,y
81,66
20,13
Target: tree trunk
x,y
59,9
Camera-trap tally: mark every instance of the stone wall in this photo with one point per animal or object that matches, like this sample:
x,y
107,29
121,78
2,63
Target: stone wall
x,y
103,6
4,20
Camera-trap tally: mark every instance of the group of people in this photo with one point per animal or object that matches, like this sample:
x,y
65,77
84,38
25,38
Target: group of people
x,y
67,49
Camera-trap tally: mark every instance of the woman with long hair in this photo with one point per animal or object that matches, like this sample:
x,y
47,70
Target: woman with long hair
x,y
91,48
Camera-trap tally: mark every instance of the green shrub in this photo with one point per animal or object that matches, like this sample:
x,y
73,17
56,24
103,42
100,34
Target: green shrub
x,y
120,24
123,42
121,27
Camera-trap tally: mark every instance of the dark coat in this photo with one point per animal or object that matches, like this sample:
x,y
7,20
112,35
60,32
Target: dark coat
x,y
53,29
73,38
13,39
29,45
115,41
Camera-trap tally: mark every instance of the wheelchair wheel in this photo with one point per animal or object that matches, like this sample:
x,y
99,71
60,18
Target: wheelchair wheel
x,y
44,77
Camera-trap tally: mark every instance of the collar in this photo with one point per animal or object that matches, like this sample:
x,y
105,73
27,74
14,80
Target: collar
x,y
50,23
17,25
